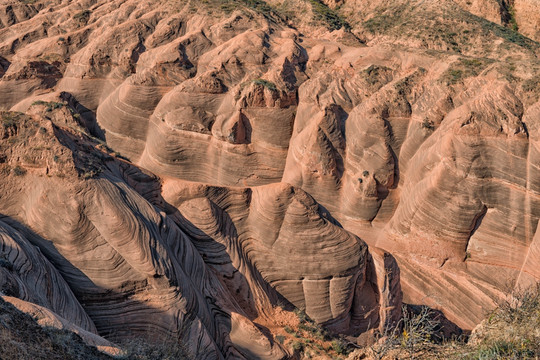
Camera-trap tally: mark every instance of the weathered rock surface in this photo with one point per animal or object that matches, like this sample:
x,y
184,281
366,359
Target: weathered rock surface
x,y
263,159
29,276
201,269
527,16
277,237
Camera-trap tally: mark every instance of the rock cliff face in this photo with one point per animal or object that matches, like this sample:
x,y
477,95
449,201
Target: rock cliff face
x,y
179,169
122,254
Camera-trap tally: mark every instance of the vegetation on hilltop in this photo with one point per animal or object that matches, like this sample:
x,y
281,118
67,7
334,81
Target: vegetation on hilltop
x,y
511,331
22,338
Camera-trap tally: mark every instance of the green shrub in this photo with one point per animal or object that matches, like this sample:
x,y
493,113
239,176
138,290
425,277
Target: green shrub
x,y
288,330
297,346
338,346
513,22
51,105
91,173
417,329
302,317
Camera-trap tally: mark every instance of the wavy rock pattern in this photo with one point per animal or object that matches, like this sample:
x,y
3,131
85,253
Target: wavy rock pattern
x,y
201,270
29,276
266,142
130,267
277,236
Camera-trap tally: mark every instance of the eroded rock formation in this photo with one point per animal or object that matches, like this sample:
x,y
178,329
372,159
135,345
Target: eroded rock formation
x,y
180,172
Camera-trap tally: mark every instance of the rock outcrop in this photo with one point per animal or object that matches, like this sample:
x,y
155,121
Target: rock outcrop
x,y
173,171
181,260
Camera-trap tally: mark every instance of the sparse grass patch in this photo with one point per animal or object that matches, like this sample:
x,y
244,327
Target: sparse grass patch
x,y
379,23
339,347
267,84
298,346
258,5
50,105
166,350
309,338
501,350
464,68
10,119
513,329
376,76
508,34
228,6
21,338
330,17
288,329
532,86
383,21
52,57
447,28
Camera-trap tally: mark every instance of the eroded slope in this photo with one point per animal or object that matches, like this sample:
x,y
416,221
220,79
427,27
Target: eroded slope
x,y
261,143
